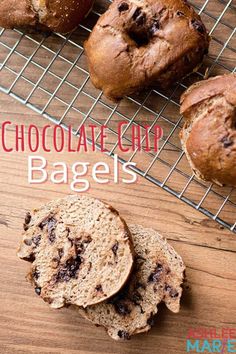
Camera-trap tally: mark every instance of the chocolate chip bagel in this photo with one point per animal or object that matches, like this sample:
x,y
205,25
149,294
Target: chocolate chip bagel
x,y
209,134
157,276
80,250
51,15
138,43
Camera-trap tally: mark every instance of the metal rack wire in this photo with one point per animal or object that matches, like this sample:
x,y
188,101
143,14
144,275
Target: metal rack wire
x,y
49,74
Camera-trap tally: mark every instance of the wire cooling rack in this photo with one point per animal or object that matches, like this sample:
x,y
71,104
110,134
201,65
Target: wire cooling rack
x,y
49,74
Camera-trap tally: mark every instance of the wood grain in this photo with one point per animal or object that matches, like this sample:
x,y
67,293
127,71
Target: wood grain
x,y
27,325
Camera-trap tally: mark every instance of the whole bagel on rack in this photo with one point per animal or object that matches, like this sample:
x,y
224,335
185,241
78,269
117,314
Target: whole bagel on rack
x,y
209,134
142,43
51,15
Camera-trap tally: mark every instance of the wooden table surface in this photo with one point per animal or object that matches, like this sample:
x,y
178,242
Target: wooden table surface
x,y
28,325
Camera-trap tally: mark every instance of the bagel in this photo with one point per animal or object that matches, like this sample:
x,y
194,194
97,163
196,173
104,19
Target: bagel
x,y
80,249
209,134
157,276
143,43
50,15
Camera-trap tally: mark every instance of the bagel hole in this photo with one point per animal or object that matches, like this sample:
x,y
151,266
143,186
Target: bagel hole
x,y
140,38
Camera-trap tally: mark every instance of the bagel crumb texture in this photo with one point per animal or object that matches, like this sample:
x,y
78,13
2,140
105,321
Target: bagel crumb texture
x,y
80,249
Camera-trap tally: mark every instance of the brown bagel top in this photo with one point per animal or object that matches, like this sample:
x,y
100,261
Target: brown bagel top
x,y
53,15
219,85
136,44
209,134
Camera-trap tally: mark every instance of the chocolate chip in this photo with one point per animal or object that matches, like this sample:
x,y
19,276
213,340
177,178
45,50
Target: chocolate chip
x,y
197,25
154,27
27,221
123,7
119,297
50,222
30,258
69,269
115,247
136,298
27,218
123,334
227,141
140,20
179,13
36,240
155,276
99,288
51,229
141,309
139,17
80,244
37,290
36,274
28,242
137,13
43,223
172,292
122,308
150,320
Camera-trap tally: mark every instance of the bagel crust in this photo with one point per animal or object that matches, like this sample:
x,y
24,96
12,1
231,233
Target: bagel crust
x,y
50,15
143,43
209,134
